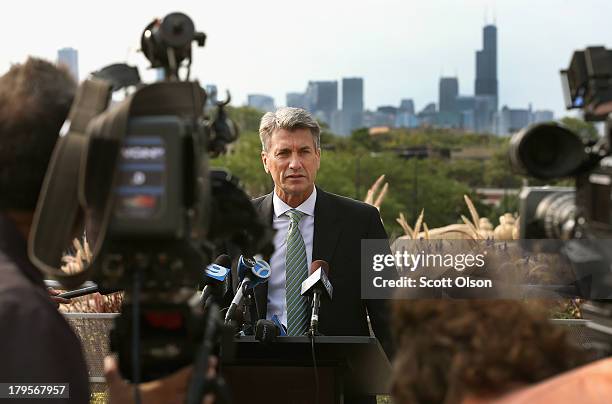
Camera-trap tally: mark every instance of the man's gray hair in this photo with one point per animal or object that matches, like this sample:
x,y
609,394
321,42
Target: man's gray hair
x,y
289,119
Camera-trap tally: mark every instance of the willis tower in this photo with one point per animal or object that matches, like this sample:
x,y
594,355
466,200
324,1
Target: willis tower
x,y
486,64
486,98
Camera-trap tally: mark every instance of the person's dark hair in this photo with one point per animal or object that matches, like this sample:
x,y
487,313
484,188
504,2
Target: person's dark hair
x,y
448,349
35,98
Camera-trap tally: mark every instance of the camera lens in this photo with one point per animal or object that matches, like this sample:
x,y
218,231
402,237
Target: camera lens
x,y
557,213
546,151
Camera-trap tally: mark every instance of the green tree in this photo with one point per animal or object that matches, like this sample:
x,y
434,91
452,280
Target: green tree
x,y
246,118
470,172
349,166
244,161
499,172
586,130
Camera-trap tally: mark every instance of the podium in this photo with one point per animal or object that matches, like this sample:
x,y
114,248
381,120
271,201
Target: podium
x,y
284,372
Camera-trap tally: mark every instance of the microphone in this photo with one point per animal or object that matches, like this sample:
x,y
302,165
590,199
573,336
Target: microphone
x,y
251,273
266,331
214,276
317,285
86,291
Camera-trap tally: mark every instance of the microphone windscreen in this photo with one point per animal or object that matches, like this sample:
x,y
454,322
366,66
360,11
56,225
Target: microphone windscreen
x,y
266,331
224,260
245,265
316,264
218,270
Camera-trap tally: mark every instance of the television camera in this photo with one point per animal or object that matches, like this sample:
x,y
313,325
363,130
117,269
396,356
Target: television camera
x,y
135,175
576,220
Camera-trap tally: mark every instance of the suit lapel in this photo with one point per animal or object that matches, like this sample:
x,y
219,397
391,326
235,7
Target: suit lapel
x,y
326,230
266,210
326,233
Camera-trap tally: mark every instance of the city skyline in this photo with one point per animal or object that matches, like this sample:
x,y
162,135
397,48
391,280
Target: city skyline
x,y
474,113
399,49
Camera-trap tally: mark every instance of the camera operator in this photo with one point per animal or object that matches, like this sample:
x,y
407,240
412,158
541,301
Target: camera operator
x,y
36,343
497,351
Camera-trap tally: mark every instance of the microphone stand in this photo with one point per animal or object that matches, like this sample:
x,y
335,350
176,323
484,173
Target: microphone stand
x,y
248,327
314,318
313,331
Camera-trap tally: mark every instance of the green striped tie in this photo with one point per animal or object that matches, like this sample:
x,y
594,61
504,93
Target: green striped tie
x,y
296,271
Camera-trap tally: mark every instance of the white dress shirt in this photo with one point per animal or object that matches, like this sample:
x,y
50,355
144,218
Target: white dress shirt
x,y
277,303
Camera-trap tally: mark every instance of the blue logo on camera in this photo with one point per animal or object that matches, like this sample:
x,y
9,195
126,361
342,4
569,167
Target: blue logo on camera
x,y
217,272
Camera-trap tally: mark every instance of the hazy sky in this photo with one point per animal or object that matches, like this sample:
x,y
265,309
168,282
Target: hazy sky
x,y
273,47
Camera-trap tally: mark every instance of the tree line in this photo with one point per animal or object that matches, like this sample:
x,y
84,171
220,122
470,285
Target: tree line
x,y
350,165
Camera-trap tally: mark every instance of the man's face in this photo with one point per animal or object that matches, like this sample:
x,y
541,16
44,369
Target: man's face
x,y
292,160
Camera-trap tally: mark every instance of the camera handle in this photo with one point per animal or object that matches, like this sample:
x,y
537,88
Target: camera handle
x,y
200,385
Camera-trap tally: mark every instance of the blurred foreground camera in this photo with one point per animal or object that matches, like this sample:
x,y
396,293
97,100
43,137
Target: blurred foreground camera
x,y
551,151
574,221
586,83
136,176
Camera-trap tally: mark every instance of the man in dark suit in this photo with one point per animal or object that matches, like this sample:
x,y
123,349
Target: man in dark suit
x,y
313,224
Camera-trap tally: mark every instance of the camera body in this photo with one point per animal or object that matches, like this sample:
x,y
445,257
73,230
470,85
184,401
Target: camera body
x,y
137,175
546,212
157,197
575,222
593,198
552,151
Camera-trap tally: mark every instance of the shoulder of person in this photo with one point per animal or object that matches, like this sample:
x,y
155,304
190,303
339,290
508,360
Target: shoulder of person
x,y
351,205
257,201
27,300
33,316
54,351
13,278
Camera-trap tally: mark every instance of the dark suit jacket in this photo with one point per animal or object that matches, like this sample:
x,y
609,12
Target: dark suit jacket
x,y
37,344
339,226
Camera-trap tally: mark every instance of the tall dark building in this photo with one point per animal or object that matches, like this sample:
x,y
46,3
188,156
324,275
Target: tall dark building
x,y
486,94
352,94
448,92
352,104
486,64
322,98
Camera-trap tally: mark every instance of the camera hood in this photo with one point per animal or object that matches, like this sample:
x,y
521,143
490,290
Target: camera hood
x,y
547,151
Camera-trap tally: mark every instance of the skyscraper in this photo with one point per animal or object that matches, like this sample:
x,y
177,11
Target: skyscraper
x,y
261,102
407,105
486,64
448,92
405,117
296,100
322,99
69,57
486,82
542,116
211,90
512,120
352,104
